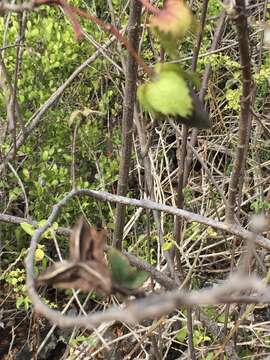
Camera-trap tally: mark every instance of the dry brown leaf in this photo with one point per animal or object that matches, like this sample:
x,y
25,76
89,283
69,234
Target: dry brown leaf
x,y
86,269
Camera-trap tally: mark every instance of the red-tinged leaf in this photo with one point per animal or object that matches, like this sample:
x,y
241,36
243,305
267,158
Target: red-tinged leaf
x,y
175,18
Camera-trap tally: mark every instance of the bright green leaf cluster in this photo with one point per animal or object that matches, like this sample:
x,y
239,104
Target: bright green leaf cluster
x,y
233,98
16,279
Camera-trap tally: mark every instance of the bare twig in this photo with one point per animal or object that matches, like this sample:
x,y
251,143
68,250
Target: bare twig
x,y
73,155
245,118
19,53
17,8
181,172
197,47
26,211
206,76
149,180
233,229
127,120
197,156
9,99
180,196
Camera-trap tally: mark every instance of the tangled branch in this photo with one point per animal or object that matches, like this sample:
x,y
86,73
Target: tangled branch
x,y
157,304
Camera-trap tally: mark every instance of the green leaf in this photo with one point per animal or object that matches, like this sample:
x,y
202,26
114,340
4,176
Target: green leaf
x,y
34,32
221,318
48,233
19,301
199,337
54,182
13,194
167,245
42,222
168,94
26,302
182,334
123,274
28,228
45,155
55,226
51,151
26,173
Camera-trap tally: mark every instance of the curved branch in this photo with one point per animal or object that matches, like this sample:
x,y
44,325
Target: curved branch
x,y
153,305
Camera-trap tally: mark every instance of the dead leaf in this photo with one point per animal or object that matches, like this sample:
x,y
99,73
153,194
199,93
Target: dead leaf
x,y
86,268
